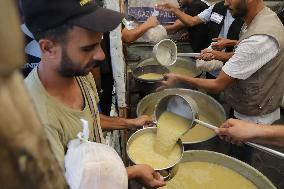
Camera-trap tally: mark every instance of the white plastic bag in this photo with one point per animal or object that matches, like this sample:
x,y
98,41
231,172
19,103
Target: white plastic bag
x,y
91,165
209,66
155,34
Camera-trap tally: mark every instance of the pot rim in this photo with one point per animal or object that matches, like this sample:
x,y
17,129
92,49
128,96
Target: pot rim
x,y
133,137
136,77
221,108
236,161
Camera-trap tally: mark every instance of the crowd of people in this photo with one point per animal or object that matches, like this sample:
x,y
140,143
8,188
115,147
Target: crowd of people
x,y
246,36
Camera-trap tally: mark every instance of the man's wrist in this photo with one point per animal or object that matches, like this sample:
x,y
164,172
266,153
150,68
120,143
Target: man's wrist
x,y
178,77
232,43
264,132
129,123
132,172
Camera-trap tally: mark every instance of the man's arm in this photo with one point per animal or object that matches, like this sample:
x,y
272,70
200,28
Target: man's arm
x,y
221,43
183,17
111,123
214,85
209,54
129,36
238,131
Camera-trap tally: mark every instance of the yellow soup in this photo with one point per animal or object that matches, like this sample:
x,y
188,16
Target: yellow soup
x,y
142,152
182,71
152,76
203,175
170,128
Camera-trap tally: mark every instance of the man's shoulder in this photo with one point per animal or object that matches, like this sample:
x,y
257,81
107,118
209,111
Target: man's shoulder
x,y
197,5
39,97
34,87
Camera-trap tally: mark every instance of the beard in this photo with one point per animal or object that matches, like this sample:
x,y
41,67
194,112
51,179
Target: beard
x,y
240,11
69,68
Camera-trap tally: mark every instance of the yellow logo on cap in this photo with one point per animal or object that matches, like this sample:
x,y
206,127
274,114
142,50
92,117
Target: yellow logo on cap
x,y
84,2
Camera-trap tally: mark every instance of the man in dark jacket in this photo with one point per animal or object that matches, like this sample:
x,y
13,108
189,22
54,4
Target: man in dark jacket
x,y
198,35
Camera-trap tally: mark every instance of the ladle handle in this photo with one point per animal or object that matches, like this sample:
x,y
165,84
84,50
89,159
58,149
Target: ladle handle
x,y
265,149
189,54
209,126
257,146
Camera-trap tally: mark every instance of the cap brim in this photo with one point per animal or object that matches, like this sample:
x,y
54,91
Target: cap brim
x,y
100,20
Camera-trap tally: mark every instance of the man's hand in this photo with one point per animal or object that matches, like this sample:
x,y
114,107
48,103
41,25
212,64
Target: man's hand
x,y
152,21
206,54
221,43
166,7
141,120
146,175
209,54
169,80
237,131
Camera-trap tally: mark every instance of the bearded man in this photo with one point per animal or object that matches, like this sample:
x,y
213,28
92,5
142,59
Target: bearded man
x,y
69,33
253,77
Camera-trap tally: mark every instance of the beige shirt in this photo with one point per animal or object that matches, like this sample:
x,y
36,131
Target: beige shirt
x,y
62,123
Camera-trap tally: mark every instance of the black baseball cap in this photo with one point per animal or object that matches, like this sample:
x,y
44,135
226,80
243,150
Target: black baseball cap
x,y
41,15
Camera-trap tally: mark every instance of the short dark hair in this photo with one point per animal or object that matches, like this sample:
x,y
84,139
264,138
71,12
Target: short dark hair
x,y
57,34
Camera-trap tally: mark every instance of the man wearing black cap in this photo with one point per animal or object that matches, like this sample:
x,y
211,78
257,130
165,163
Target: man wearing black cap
x,y
69,33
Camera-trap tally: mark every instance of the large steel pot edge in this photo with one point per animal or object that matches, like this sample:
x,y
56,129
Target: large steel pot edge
x,y
148,85
249,172
165,172
158,95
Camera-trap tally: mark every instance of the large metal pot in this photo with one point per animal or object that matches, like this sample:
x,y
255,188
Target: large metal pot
x,y
240,167
206,105
183,66
148,85
164,171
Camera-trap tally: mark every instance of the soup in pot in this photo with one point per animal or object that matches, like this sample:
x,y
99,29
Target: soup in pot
x,y
151,76
142,151
204,175
199,132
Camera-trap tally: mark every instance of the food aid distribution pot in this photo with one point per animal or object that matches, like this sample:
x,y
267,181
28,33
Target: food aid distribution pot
x,y
207,105
186,107
163,171
250,173
148,85
183,66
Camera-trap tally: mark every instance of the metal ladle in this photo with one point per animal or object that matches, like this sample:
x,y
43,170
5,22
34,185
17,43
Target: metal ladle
x,y
186,107
165,52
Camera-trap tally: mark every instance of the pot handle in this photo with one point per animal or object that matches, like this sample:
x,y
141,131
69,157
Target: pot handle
x,y
166,174
151,124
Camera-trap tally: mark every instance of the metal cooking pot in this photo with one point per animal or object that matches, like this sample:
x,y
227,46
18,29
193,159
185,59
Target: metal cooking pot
x,y
164,171
206,105
240,167
148,85
165,52
183,66
187,64
171,103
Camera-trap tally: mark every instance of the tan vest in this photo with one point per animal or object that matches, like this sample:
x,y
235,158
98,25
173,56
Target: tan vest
x,y
262,92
